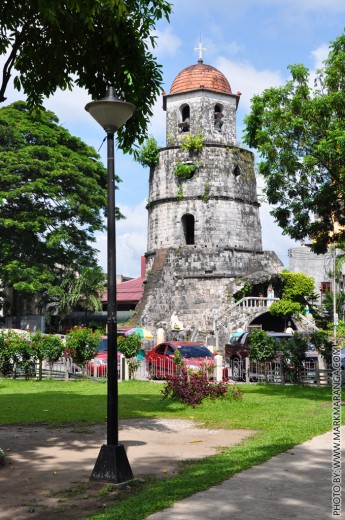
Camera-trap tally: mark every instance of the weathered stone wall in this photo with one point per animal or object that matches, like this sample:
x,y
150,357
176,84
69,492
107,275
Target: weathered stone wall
x,y
204,233
189,281
202,109
221,196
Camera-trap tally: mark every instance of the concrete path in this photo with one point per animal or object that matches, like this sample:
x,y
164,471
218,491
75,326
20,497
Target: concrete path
x,y
295,485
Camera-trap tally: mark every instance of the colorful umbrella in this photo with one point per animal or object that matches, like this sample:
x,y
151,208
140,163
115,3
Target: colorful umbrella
x,y
144,333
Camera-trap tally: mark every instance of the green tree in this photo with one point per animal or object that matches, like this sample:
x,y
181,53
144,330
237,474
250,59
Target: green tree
x,y
82,343
300,134
149,153
52,198
323,344
262,348
297,291
84,288
92,44
16,352
297,287
285,309
129,347
6,354
293,354
48,347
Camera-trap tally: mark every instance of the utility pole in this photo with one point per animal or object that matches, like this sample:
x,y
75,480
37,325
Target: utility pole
x,y
335,315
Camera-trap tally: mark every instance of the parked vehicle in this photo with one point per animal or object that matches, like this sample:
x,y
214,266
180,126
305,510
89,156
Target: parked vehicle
x,y
98,366
161,360
238,347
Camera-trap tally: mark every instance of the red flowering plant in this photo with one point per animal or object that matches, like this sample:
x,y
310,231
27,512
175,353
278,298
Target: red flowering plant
x,y
193,388
6,356
82,343
48,347
16,352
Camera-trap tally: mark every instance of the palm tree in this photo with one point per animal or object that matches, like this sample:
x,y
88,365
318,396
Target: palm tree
x,y
83,288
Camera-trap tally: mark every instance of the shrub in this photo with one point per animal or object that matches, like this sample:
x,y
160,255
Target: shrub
x,y
48,347
129,347
262,346
193,388
184,171
193,142
293,355
323,344
82,344
148,153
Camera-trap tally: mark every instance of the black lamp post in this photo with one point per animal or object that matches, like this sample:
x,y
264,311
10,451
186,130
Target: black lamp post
x,y
112,464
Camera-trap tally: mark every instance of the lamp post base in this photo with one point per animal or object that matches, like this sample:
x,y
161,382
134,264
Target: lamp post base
x,y
112,465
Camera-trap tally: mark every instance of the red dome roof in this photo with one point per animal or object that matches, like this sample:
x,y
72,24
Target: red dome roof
x,y
200,76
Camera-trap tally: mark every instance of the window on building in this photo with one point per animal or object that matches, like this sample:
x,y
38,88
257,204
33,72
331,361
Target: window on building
x,y
185,119
325,287
188,224
236,171
218,117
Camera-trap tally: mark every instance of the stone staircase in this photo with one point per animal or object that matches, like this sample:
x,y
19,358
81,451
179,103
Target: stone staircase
x,y
234,316
230,316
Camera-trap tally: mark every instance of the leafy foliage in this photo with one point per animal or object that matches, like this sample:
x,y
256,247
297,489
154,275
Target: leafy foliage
x,y
193,388
292,355
129,346
299,132
149,153
297,287
320,339
242,293
262,346
85,288
15,352
206,195
184,171
285,308
91,44
193,142
297,291
48,347
82,344
52,198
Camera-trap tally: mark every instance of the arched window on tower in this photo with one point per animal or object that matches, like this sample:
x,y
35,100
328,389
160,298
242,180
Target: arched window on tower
x,y
236,171
188,225
185,118
218,117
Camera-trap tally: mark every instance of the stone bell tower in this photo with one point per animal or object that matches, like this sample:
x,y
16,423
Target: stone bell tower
x,y
204,231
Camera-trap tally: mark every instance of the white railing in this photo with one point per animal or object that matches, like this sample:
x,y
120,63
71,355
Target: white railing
x,y
254,301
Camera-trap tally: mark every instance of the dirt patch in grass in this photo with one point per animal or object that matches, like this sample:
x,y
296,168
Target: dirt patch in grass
x,y
46,474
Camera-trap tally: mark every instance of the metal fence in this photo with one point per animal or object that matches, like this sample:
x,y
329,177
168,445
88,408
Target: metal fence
x,y
234,370
274,372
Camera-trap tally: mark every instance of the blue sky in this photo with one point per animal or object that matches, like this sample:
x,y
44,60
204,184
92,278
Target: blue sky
x,y
252,42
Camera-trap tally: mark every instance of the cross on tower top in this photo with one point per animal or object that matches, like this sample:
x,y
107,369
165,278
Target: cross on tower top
x,y
200,49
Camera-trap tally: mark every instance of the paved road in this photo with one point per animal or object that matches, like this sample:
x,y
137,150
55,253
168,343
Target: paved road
x,y
295,485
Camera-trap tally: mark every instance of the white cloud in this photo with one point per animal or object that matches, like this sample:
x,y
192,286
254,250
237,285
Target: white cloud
x,y
157,126
319,55
244,77
130,241
272,237
168,43
334,6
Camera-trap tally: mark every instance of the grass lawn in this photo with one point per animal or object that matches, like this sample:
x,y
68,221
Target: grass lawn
x,y
283,417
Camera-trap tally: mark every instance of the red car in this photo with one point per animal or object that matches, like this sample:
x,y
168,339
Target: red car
x,y
161,360
98,366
